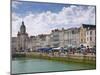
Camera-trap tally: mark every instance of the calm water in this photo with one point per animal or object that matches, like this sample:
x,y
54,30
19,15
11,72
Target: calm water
x,y
26,65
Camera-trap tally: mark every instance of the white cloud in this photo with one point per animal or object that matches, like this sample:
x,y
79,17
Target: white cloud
x,y
16,22
45,21
15,4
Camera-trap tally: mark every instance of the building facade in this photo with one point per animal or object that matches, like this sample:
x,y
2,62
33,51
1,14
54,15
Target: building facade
x,y
91,37
14,44
57,38
71,37
85,35
32,43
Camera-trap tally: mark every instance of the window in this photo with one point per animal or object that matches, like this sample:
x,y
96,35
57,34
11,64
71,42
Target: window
x,y
57,39
43,39
90,38
55,35
87,38
90,32
81,40
81,34
73,32
87,32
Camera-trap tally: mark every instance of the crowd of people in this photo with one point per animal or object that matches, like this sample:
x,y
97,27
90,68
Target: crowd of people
x,y
70,50
82,50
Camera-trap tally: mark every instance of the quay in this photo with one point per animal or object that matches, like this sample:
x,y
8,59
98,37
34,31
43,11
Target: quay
x,y
77,58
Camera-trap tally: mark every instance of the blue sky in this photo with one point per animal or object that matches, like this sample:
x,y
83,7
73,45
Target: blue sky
x,y
42,17
36,7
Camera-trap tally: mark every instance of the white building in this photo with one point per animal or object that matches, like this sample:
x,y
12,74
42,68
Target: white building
x,y
91,37
42,41
71,37
88,35
32,43
65,37
55,38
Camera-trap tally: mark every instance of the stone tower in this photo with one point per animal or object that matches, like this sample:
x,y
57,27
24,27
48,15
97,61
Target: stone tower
x,y
22,38
22,28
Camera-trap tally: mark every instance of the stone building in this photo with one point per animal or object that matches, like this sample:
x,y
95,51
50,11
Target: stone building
x,y
65,37
14,44
91,36
43,40
58,38
32,43
55,38
84,36
71,37
22,38
47,40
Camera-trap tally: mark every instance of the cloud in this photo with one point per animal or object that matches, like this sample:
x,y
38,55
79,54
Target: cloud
x,y
16,22
72,16
15,4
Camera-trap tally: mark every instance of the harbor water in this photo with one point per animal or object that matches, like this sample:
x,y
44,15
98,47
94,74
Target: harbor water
x,y
29,65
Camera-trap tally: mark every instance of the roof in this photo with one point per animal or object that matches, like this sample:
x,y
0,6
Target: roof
x,y
89,26
55,30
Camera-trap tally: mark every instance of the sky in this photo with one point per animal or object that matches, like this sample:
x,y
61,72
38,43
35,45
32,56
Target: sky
x,y
41,18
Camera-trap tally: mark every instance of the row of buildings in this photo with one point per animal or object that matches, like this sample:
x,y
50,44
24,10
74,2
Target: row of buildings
x,y
84,35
